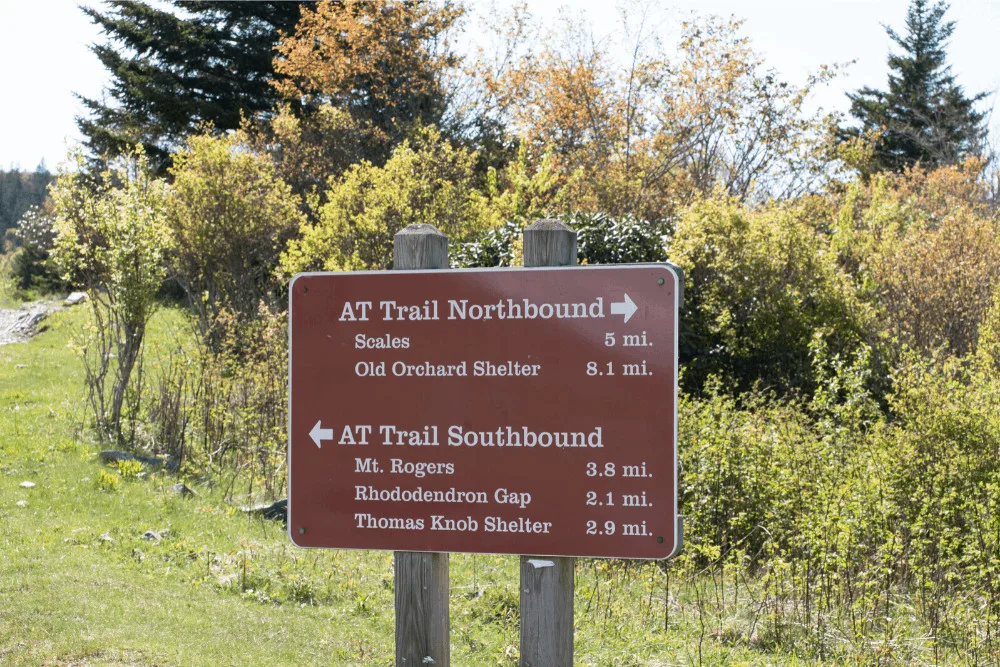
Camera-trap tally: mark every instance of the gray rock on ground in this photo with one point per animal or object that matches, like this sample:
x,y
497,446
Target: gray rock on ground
x,y
278,510
75,298
17,326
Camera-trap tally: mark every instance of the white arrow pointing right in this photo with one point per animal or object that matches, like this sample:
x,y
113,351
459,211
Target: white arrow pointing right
x,y
626,308
319,434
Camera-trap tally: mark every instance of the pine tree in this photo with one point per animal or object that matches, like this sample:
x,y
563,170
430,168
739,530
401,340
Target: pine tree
x,y
925,115
175,69
19,192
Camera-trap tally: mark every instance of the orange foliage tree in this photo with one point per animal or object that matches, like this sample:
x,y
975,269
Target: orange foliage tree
x,y
645,133
382,61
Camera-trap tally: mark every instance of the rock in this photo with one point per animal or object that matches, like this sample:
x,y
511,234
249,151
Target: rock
x,y
105,538
27,485
278,510
151,535
18,367
18,325
21,503
182,489
75,298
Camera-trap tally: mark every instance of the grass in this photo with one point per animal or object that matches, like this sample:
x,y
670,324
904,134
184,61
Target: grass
x,y
80,584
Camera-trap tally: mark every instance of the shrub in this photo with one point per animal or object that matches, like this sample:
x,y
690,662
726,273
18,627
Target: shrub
x,y
112,240
728,487
988,343
231,217
224,410
307,150
926,252
601,239
758,285
947,428
881,528
425,181
500,246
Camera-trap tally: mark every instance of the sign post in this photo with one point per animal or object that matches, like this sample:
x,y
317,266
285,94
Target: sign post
x,y
518,411
547,584
423,625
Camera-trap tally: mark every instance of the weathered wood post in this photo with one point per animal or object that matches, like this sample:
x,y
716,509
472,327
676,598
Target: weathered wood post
x,y
547,583
422,625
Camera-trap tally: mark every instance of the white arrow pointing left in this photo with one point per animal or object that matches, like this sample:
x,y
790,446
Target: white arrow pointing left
x,y
319,434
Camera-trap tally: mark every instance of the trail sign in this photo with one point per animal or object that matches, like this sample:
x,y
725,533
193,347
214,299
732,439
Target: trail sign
x,y
491,411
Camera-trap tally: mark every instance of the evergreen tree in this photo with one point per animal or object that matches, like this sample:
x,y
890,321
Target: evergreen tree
x,y
173,69
925,115
19,192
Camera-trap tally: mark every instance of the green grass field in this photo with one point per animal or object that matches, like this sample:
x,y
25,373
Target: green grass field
x,y
80,585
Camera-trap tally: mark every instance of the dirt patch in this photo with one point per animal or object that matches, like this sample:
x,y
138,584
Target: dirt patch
x,y
17,326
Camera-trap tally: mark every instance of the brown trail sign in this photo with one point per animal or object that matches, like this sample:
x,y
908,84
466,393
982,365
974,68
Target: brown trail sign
x,y
421,578
520,411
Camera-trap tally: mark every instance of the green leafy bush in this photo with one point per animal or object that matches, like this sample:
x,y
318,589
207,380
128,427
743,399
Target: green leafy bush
x,y
946,484
223,410
758,285
112,239
602,239
230,217
732,462
880,528
497,247
925,251
425,181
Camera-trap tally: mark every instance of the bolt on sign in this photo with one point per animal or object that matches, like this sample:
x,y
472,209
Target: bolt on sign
x,y
519,411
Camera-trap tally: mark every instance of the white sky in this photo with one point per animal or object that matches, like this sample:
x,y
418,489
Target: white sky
x,y
44,54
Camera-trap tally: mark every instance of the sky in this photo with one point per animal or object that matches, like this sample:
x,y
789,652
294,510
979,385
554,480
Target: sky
x,y
44,48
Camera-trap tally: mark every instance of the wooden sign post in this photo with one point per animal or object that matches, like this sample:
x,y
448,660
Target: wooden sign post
x,y
515,410
547,584
423,626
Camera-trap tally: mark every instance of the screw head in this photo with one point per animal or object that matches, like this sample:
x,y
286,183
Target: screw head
x,y
659,281
302,531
